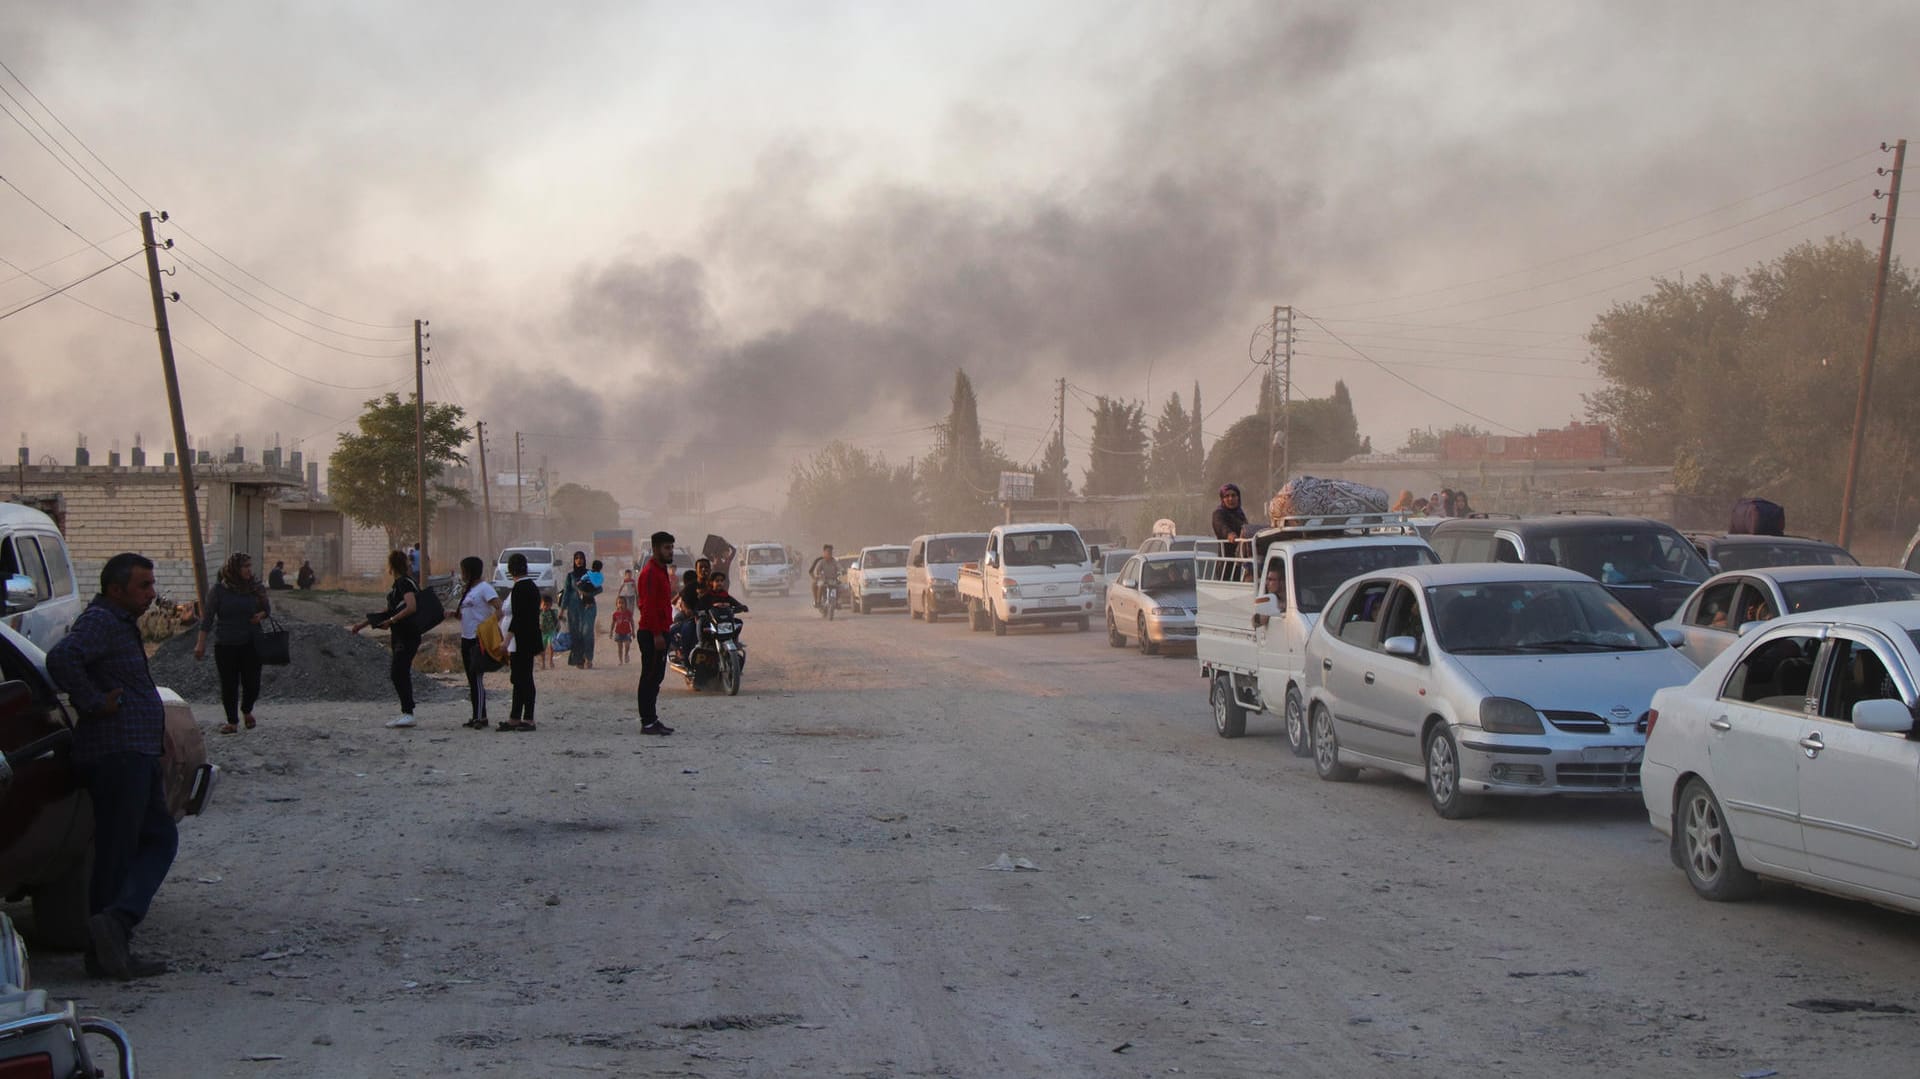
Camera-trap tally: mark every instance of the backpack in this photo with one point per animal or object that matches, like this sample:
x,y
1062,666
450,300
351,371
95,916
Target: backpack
x,y
428,611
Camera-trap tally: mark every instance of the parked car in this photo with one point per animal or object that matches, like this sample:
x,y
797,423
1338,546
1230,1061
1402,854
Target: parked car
x,y
42,592
764,567
1107,570
1647,564
1731,551
1793,756
878,578
846,563
1252,643
1484,679
1029,574
544,564
46,820
1153,602
933,571
1716,614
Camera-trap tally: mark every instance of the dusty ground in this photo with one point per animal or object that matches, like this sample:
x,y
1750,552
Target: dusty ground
x,y
793,885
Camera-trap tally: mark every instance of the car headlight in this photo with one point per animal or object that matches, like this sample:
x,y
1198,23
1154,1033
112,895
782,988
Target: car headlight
x,y
1504,715
1169,611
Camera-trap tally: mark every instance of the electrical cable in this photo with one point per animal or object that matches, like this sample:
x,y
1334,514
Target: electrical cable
x,y
75,299
44,297
222,331
23,272
1450,404
211,276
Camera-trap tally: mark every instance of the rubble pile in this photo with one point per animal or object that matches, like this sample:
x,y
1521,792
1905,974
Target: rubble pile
x,y
329,664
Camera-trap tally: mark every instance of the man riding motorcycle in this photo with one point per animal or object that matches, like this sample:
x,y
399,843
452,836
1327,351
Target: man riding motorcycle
x,y
824,569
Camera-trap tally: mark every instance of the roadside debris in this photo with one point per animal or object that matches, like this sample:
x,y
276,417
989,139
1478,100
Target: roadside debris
x,y
737,1022
1007,863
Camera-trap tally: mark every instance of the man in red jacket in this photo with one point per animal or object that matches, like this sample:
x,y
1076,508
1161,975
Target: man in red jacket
x,y
655,589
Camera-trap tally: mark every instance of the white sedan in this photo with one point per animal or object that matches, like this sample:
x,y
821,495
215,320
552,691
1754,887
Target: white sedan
x,y
1793,756
1711,619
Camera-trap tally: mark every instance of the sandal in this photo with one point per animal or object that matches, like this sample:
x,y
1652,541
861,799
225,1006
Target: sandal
x,y
507,725
229,729
525,725
249,720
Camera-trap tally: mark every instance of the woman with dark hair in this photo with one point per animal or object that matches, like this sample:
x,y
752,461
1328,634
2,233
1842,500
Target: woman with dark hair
x,y
524,643
402,601
478,602
236,605
582,612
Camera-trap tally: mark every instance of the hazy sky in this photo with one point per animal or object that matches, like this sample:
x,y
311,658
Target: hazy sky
x,y
645,233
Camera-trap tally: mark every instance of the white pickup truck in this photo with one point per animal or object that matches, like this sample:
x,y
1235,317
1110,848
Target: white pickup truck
x,y
1257,607
1030,573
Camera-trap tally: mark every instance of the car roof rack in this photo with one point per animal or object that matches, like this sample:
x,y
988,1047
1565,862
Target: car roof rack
x,y
1338,524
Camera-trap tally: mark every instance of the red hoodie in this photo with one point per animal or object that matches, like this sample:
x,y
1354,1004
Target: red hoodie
x,y
656,597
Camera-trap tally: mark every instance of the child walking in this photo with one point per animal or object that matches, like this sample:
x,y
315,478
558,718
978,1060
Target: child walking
x,y
623,627
549,628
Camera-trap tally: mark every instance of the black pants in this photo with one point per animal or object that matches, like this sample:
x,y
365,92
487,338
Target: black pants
x,y
520,670
405,645
239,666
133,835
653,671
474,661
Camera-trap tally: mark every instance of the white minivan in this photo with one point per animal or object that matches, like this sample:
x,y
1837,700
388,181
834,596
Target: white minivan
x,y
544,565
42,595
763,567
933,570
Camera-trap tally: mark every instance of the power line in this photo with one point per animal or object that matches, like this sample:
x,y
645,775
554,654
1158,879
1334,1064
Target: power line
x,y
1450,404
23,272
210,275
50,295
1449,368
58,160
222,331
32,274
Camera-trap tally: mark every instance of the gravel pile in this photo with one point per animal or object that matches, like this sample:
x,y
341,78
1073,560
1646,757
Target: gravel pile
x,y
329,664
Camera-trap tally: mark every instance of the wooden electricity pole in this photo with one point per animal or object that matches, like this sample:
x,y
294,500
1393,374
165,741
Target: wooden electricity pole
x,y
420,440
1873,342
181,451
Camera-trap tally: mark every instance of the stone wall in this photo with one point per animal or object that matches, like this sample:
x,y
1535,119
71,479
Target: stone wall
x,y
130,513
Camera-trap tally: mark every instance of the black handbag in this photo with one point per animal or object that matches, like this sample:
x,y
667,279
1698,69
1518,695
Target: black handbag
x,y
274,644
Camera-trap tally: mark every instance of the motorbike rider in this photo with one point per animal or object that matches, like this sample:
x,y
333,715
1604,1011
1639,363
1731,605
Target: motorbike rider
x,y
716,595
824,569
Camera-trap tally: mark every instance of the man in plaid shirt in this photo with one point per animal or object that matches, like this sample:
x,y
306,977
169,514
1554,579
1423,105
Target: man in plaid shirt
x,y
102,665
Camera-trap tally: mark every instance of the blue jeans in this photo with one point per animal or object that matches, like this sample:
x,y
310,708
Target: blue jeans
x,y
134,839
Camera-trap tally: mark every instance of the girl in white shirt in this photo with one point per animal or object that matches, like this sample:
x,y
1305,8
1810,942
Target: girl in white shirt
x,y
478,602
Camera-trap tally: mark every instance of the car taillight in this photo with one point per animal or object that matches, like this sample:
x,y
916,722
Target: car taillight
x,y
1647,721
37,1066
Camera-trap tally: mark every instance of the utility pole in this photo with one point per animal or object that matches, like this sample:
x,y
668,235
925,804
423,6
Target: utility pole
x,y
1873,337
486,489
1060,436
519,475
181,451
420,438
1284,373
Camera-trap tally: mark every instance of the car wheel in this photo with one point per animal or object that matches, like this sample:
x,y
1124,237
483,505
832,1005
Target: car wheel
x,y
999,624
1082,624
1326,748
1147,647
930,612
1229,719
60,908
1707,849
1443,777
1115,638
976,616
866,605
1298,738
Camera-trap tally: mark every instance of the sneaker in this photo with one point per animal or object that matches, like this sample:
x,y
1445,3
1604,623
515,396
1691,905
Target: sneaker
x,y
655,727
404,719
110,952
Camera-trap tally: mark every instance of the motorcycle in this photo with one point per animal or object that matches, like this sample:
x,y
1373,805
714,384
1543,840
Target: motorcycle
x,y
718,654
829,599
39,1038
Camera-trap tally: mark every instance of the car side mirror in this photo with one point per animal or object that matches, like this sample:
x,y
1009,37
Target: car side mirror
x,y
991,558
1267,605
1673,637
1885,716
853,565
20,595
1407,647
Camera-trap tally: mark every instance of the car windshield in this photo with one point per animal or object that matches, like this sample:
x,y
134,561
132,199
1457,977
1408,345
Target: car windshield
x,y
1847,592
766,556
1626,555
1061,547
956,549
1114,560
1318,574
1167,575
536,556
1764,555
1512,618
888,559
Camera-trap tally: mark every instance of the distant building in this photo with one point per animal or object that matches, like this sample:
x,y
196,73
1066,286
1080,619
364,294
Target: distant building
x,y
1574,442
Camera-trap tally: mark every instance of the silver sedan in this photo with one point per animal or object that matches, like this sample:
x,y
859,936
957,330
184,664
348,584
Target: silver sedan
x,y
1484,679
1152,600
1712,618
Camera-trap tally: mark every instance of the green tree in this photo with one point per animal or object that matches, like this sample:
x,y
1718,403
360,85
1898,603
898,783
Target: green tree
x,y
584,510
847,495
960,479
1170,465
1747,385
1324,431
1051,480
372,475
1197,452
1118,453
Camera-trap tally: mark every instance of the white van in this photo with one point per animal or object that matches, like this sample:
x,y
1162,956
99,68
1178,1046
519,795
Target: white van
x,y
933,570
763,567
544,565
42,592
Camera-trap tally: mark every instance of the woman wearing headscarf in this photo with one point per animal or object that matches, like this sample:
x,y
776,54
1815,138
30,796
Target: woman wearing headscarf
x,y
1229,520
582,612
235,607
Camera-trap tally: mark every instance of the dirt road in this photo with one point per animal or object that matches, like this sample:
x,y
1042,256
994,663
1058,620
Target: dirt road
x,y
793,885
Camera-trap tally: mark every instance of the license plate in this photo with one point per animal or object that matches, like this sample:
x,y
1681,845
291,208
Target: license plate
x,y
1611,754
